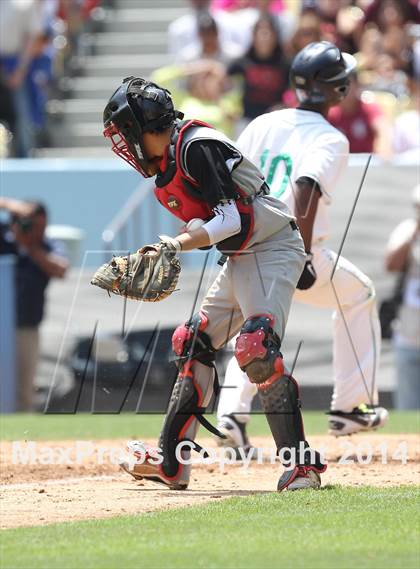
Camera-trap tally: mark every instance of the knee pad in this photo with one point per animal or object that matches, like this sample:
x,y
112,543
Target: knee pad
x,y
190,342
258,349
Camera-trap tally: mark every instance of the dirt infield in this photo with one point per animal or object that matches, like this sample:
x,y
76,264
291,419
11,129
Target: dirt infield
x,y
76,487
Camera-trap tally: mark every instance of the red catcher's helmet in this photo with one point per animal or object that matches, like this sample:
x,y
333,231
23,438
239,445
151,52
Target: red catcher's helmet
x,y
136,107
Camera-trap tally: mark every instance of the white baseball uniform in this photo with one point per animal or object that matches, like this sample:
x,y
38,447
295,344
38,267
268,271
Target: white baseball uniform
x,y
287,145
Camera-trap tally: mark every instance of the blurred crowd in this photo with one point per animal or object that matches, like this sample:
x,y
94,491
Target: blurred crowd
x,y
41,42
230,61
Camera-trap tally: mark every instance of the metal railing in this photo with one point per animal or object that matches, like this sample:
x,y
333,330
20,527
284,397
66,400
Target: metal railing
x,y
139,221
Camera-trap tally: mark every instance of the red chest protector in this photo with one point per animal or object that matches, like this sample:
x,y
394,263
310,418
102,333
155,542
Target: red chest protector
x,y
180,194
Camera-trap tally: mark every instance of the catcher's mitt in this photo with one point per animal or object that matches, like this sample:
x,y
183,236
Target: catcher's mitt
x,y
151,274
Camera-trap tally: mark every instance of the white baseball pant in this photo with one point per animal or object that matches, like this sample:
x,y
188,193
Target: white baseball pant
x,y
356,338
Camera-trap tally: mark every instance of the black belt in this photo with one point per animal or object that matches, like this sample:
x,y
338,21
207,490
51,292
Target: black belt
x,y
223,258
263,191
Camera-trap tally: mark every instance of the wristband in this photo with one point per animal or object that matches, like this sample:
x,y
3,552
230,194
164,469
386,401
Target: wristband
x,y
174,243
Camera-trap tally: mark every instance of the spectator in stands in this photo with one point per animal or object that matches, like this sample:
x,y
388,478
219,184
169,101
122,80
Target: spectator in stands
x,y
349,28
7,119
328,13
396,44
370,48
5,138
21,25
365,125
394,19
263,71
231,5
406,131
274,6
387,14
40,78
37,261
403,255
209,45
415,63
246,18
341,23
75,14
183,32
198,90
387,77
308,30
7,111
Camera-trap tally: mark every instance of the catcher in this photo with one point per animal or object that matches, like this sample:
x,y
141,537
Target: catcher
x,y
201,174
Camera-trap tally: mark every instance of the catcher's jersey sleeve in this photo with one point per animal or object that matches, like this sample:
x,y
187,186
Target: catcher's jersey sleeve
x,y
206,161
291,143
204,149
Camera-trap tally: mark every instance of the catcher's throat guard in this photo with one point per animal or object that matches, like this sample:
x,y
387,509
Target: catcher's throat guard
x,y
151,274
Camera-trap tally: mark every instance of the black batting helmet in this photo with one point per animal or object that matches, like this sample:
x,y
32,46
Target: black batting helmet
x,y
320,73
136,107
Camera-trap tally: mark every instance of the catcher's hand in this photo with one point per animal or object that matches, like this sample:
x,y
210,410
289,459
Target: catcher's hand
x,y
151,274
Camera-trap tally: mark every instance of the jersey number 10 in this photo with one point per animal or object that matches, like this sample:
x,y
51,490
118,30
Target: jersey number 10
x,y
272,168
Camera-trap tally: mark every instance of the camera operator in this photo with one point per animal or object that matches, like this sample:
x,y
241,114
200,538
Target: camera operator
x,y
37,260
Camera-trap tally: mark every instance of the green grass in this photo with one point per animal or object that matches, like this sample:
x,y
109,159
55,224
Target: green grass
x,y
84,426
332,528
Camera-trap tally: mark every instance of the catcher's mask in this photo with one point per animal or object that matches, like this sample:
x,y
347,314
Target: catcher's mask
x,y
320,73
136,107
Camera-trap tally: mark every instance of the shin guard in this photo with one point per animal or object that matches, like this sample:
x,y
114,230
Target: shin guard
x,y
281,405
190,396
189,399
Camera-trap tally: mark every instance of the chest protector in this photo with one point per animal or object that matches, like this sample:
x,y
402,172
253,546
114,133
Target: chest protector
x,y
180,194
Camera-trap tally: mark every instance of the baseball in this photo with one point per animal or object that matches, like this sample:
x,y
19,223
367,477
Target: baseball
x,y
194,224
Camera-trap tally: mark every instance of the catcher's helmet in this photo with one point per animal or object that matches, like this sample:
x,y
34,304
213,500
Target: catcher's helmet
x,y
320,73
136,107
